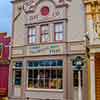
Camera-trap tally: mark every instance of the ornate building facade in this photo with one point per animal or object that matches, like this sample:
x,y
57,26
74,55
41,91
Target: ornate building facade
x,y
92,9
47,36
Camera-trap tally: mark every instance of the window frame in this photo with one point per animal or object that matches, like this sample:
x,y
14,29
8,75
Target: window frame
x,y
30,35
43,34
16,68
62,32
49,69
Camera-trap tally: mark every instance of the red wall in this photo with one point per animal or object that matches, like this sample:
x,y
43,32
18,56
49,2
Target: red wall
x,y
4,73
4,64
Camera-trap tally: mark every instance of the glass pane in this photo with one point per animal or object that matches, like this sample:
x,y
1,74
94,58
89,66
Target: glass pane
x,y
44,29
30,63
59,36
47,63
47,73
30,73
18,73
53,74
30,83
33,38
32,31
46,83
17,81
42,63
59,84
59,73
45,37
36,83
53,63
41,77
36,63
59,27
17,77
59,63
36,74
18,64
30,39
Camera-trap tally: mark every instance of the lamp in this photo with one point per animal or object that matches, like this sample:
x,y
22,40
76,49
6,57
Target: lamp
x,y
78,62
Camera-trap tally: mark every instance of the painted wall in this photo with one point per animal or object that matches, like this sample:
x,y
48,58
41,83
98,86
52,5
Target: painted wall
x,y
18,25
76,21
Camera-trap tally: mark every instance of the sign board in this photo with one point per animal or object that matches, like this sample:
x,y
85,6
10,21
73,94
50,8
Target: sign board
x,y
48,49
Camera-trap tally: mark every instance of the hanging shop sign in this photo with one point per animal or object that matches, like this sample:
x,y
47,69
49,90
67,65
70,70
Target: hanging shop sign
x,y
49,49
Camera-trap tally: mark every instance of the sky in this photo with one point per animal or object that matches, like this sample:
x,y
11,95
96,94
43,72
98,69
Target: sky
x,y
5,16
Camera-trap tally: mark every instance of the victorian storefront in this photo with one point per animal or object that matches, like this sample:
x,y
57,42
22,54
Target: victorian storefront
x,y
46,39
4,65
93,29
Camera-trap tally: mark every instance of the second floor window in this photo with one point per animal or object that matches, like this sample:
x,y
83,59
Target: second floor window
x,y
32,35
58,32
44,35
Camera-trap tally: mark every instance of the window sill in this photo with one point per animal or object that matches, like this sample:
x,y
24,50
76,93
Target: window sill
x,y
44,90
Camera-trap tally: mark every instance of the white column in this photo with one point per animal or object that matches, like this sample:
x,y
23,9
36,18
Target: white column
x,y
92,77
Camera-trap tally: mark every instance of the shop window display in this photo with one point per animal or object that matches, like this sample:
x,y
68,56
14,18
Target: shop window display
x,y
45,77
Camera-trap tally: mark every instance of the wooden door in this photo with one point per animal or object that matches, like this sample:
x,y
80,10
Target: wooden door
x,y
97,75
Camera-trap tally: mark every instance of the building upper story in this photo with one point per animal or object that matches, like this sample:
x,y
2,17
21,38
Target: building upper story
x,y
47,21
92,12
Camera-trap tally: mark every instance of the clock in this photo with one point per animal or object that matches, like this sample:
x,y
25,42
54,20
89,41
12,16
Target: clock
x,y
44,10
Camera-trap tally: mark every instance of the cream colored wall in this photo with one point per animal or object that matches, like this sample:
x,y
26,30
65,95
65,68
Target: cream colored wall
x,y
19,27
76,21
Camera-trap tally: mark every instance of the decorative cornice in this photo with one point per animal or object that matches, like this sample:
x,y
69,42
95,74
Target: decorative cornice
x,y
91,2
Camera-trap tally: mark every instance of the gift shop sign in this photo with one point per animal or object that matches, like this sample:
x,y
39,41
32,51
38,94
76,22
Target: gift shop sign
x,y
50,49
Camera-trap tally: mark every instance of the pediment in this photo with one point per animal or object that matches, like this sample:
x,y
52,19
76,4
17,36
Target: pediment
x,y
31,5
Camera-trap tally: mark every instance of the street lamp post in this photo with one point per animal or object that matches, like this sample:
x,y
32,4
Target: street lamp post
x,y
78,63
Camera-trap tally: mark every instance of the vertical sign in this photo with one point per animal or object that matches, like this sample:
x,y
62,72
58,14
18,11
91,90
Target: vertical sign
x,y
1,50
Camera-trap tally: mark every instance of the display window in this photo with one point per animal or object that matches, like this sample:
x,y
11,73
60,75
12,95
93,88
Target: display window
x,y
45,76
